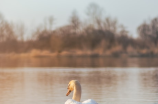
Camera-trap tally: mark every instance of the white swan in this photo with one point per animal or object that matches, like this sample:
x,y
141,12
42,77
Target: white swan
x,y
75,86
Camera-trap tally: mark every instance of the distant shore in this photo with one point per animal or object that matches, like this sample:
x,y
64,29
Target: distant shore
x,y
37,53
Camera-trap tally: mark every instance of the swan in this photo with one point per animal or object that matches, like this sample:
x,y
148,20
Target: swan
x,y
75,86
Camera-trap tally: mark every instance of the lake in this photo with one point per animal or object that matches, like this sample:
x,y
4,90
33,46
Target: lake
x,y
106,80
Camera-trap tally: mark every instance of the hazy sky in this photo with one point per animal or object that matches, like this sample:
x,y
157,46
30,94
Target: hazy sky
x,y
130,13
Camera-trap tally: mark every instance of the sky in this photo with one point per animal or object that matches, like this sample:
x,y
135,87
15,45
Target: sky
x,y
130,13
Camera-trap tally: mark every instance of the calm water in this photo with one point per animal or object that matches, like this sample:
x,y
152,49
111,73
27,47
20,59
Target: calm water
x,y
105,85
107,81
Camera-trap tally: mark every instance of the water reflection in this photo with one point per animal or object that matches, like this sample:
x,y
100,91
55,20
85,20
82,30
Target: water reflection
x,y
77,62
105,85
149,79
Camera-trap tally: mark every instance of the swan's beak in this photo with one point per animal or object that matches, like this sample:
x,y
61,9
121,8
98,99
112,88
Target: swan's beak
x,y
68,92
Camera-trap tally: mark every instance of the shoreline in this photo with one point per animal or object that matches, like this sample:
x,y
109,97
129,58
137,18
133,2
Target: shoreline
x,y
74,54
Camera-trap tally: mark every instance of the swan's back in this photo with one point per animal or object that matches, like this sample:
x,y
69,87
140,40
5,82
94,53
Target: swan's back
x,y
71,101
89,101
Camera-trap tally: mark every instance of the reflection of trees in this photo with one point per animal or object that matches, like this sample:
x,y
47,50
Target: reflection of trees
x,y
147,62
77,62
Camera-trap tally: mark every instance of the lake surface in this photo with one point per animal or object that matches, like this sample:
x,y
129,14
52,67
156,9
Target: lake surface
x,y
104,85
107,81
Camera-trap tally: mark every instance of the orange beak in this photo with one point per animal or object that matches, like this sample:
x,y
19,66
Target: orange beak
x,y
68,92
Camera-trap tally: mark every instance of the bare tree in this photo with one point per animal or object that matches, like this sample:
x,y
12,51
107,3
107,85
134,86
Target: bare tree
x,y
110,24
51,22
20,31
1,18
149,31
94,13
48,22
6,32
75,21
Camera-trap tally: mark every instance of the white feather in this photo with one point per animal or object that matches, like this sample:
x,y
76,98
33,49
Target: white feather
x,y
89,101
75,85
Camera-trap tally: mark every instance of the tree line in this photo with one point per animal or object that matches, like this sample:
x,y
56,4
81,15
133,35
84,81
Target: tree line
x,y
97,35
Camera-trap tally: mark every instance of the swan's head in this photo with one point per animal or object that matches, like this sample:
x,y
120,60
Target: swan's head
x,y
71,86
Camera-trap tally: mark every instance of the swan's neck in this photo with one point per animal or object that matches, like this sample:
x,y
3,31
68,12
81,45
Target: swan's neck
x,y
77,92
